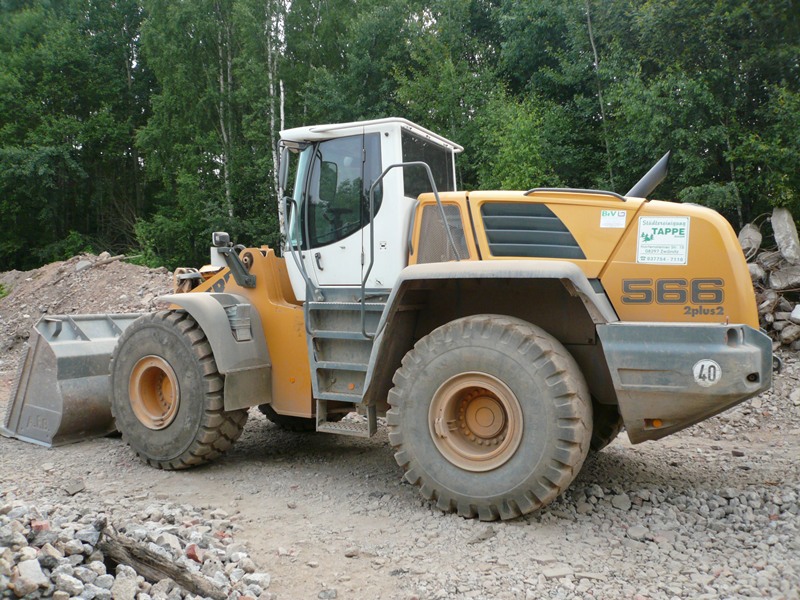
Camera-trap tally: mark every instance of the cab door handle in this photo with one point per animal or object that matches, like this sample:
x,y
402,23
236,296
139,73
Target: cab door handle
x,y
318,258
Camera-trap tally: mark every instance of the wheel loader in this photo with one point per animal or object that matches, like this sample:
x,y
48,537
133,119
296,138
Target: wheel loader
x,y
501,334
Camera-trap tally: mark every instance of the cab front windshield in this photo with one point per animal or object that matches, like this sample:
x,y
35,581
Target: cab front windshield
x,y
301,167
331,189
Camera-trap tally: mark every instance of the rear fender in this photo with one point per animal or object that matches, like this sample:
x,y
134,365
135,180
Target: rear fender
x,y
396,331
234,331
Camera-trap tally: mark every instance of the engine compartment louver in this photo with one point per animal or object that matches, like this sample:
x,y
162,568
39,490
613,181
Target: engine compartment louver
x,y
527,229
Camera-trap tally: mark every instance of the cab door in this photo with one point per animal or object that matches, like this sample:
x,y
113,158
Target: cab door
x,y
336,208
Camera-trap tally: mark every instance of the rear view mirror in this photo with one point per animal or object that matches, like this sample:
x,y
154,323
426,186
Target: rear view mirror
x,y
283,167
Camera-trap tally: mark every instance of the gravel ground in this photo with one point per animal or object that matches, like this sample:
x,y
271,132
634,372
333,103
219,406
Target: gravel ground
x,y
711,512
707,513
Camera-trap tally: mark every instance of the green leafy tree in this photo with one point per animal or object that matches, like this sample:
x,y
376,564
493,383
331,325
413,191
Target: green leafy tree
x,y
70,98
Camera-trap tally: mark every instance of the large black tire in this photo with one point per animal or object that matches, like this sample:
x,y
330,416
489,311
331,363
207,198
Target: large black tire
x,y
490,416
287,422
608,424
295,424
167,395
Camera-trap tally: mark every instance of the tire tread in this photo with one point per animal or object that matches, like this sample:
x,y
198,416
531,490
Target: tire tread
x,y
574,413
219,429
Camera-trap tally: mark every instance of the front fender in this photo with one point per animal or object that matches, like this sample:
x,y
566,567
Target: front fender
x,y
245,361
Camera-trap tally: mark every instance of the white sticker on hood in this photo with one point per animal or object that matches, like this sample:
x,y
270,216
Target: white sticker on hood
x,y
663,240
613,219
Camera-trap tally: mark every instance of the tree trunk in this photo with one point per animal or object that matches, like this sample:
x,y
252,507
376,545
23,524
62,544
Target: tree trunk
x,y
223,103
152,566
273,32
600,94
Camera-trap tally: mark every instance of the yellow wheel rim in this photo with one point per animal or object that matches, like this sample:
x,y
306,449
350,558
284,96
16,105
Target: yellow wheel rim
x,y
154,392
475,421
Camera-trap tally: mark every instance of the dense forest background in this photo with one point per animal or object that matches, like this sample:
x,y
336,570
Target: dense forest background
x,y
143,125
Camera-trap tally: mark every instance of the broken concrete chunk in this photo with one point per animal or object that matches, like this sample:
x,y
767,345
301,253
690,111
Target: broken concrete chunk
x,y
750,239
767,301
757,273
621,501
785,230
30,575
794,316
637,532
770,260
73,486
169,542
786,278
557,571
790,333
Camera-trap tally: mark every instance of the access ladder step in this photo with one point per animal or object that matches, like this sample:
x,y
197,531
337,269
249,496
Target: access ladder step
x,y
340,397
368,306
341,366
338,335
346,428
362,426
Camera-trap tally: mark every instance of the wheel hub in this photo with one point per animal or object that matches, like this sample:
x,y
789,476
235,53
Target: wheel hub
x,y
475,421
154,392
482,415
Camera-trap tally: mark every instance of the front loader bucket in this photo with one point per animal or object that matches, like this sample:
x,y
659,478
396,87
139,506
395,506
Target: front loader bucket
x,y
63,392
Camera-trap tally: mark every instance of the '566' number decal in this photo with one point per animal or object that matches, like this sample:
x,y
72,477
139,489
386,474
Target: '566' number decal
x,y
673,291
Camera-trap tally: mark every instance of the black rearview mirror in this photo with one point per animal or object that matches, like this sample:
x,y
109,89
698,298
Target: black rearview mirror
x,y
283,168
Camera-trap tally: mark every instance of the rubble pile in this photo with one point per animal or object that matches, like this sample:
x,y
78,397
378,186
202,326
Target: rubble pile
x,y
776,277
68,552
85,284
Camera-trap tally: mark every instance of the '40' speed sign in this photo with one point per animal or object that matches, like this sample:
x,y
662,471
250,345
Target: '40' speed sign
x,y
707,372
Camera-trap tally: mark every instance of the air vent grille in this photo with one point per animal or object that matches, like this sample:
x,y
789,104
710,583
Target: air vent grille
x,y
527,229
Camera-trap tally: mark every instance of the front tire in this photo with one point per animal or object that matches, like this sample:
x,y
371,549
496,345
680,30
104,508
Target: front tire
x,y
167,395
295,424
288,422
490,416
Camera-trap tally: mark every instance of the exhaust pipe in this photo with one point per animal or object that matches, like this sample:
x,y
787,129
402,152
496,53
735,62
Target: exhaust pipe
x,y
652,179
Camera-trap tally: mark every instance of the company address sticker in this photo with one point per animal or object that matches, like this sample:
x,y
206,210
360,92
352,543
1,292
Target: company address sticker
x,y
663,240
613,219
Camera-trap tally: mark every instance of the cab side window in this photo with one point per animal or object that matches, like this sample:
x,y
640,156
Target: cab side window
x,y
439,159
337,203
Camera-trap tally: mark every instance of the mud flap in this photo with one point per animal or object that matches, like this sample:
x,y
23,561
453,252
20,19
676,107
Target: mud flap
x,y
62,393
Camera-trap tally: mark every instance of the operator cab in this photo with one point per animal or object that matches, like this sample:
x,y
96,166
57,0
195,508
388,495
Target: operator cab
x,y
326,172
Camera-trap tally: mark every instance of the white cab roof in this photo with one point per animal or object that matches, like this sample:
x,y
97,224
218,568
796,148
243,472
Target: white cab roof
x,y
322,132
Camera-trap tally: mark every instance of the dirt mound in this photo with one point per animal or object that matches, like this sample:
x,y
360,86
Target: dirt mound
x,y
85,284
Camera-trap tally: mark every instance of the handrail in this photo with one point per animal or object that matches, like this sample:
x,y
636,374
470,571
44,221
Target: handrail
x,y
310,287
372,187
576,191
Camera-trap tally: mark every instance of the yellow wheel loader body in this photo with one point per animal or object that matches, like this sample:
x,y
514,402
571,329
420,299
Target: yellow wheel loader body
x,y
493,329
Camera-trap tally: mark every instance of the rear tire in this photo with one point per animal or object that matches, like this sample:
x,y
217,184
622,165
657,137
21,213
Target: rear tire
x,y
167,395
490,416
